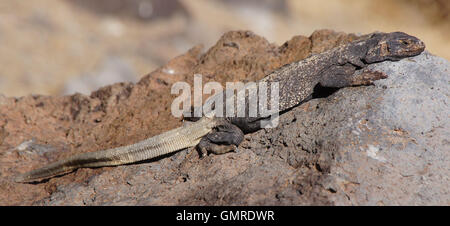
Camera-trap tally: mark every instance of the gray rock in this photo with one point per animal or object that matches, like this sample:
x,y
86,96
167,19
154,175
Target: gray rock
x,y
386,144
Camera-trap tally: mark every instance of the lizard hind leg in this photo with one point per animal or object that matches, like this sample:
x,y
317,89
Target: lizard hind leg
x,y
223,139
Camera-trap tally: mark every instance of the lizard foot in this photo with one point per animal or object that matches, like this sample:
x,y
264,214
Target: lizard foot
x,y
367,77
223,139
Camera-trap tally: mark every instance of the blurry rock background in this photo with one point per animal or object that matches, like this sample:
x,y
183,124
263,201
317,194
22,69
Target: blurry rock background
x,y
58,47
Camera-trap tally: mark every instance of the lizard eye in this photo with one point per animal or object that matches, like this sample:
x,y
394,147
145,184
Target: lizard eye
x,y
404,42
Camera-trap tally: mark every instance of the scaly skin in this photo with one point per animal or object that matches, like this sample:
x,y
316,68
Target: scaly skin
x,y
339,67
186,136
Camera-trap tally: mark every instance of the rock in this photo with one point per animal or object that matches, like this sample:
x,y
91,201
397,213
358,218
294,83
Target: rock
x,y
377,145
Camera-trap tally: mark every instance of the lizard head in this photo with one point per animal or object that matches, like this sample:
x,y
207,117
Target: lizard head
x,y
392,46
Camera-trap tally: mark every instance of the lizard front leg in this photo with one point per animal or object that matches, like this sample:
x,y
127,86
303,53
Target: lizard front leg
x,y
340,76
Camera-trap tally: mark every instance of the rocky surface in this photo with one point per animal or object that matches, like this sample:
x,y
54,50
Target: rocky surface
x,y
385,144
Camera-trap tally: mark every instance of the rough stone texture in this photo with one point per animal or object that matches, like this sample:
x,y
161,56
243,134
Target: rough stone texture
x,y
380,145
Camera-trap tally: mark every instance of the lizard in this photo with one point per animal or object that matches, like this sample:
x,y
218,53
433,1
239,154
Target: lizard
x,y
339,67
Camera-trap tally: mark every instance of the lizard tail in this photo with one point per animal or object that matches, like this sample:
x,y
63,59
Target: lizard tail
x,y
170,141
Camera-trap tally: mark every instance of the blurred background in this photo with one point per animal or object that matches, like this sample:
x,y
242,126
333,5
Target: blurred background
x,y
58,47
